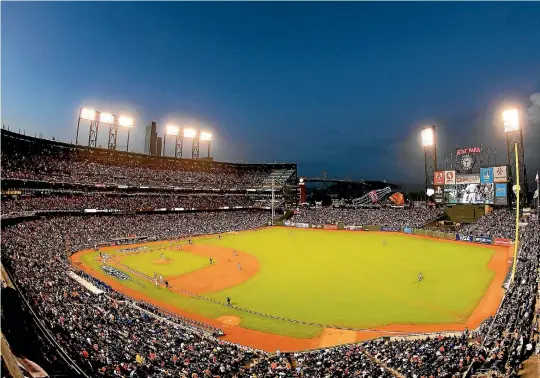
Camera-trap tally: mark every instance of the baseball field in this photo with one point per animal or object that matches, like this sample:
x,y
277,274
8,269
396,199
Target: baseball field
x,y
302,288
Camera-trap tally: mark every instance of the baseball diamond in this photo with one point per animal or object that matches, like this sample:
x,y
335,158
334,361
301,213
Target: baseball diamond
x,y
283,288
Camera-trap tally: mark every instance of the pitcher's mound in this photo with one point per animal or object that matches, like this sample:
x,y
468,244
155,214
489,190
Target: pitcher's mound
x,y
229,320
161,261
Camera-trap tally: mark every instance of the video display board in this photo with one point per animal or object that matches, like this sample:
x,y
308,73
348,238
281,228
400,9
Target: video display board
x,y
486,187
475,194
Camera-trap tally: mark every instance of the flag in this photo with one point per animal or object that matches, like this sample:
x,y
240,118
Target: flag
x,y
536,194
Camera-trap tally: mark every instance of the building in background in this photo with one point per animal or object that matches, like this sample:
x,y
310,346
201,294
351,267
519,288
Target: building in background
x,y
159,143
150,139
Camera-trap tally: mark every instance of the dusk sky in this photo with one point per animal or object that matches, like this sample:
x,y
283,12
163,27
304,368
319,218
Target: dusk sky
x,y
344,87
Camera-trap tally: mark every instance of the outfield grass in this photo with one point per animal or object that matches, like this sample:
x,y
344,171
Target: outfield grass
x,y
345,279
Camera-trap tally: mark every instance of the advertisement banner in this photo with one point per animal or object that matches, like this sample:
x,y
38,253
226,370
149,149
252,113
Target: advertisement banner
x,y
449,177
330,226
502,241
450,236
353,228
438,178
468,179
501,194
302,225
483,240
390,228
467,238
500,190
500,174
407,230
371,228
486,175
438,196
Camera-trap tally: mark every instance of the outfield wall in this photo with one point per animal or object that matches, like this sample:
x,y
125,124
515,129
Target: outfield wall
x,y
408,230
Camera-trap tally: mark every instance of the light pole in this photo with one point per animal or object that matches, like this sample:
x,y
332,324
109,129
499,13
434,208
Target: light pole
x,y
205,136
430,155
514,137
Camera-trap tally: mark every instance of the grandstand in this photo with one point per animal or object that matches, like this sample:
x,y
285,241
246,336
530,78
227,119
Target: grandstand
x,y
59,199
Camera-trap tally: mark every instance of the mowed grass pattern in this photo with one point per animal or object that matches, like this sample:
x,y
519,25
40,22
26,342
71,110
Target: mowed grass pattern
x,y
348,279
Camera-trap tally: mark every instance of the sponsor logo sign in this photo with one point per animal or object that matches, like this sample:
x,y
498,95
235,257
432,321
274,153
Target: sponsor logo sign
x,y
438,178
468,179
486,175
302,225
500,190
502,241
500,174
469,150
390,228
462,237
449,177
483,239
330,226
501,201
353,228
407,230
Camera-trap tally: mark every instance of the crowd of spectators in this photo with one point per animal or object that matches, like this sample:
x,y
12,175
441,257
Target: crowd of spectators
x,y
79,201
109,337
393,217
38,159
500,223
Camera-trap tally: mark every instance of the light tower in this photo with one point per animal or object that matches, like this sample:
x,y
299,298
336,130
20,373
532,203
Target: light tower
x,y
95,119
205,136
430,155
514,136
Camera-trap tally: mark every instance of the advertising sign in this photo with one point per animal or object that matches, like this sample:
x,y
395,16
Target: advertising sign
x,y
438,178
501,194
353,228
467,238
486,175
390,228
439,194
468,150
476,194
483,239
330,226
407,230
302,225
500,174
449,177
450,194
502,241
468,179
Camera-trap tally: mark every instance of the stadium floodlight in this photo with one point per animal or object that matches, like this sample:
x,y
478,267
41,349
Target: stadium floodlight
x,y
206,136
106,118
510,120
125,121
172,130
190,133
87,114
428,136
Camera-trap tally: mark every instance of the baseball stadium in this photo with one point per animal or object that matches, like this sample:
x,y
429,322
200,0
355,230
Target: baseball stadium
x,y
270,190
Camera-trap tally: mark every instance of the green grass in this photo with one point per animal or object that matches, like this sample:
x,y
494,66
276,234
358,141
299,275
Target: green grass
x,y
179,262
345,279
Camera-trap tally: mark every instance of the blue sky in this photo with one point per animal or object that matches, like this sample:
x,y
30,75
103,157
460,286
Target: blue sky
x,y
338,86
